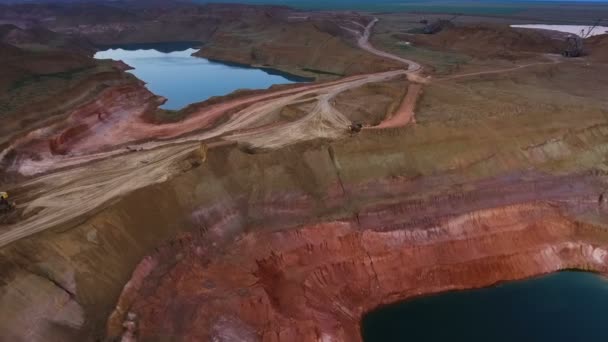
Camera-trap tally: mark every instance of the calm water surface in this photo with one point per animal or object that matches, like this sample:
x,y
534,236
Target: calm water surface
x,y
565,306
184,79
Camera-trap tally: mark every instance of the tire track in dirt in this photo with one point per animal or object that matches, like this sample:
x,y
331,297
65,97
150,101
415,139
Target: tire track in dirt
x,y
77,185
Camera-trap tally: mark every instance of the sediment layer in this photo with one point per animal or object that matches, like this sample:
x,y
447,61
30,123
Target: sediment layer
x,y
315,282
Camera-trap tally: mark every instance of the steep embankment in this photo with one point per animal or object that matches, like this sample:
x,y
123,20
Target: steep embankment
x,y
597,48
449,200
315,282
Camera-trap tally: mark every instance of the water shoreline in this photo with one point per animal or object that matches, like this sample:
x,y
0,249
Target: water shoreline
x,y
167,47
172,70
496,304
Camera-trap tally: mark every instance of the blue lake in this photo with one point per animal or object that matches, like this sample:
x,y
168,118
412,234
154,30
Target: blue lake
x,y
565,306
170,71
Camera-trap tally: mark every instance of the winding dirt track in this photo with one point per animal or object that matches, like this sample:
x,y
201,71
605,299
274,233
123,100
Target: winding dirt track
x,y
413,67
405,113
76,185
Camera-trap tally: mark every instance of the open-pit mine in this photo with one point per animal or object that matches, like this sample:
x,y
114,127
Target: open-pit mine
x,y
405,155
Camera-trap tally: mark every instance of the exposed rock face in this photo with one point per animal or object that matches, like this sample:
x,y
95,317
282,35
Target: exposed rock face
x,y
315,282
389,186
301,221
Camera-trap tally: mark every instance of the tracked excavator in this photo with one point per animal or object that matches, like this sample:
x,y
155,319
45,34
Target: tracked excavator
x,y
355,127
5,206
437,25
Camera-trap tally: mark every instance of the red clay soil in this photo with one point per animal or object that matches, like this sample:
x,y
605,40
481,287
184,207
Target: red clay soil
x,y
405,113
314,282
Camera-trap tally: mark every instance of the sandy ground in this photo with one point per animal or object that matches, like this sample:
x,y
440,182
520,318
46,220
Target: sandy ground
x,y
65,195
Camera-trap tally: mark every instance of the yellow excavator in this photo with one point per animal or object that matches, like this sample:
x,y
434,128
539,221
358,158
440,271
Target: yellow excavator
x,y
5,205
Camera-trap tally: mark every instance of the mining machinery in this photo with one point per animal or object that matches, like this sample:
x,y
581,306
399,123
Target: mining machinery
x,y
574,43
437,25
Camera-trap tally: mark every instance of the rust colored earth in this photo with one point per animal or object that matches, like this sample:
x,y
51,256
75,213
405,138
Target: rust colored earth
x,y
405,113
314,282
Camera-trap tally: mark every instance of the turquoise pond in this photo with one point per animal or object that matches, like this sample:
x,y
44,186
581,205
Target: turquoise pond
x,y
171,71
565,306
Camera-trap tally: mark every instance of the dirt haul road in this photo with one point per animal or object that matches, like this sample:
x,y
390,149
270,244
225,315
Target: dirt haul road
x,y
77,184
